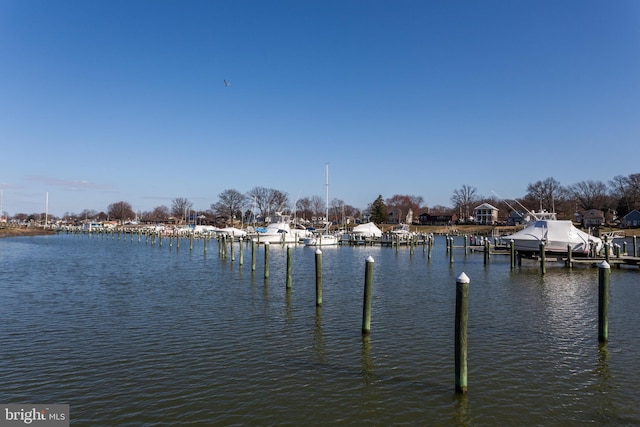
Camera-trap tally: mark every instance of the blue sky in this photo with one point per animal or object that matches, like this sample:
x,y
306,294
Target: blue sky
x,y
104,101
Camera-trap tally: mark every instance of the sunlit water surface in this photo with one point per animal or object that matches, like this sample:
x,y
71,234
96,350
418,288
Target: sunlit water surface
x,y
130,333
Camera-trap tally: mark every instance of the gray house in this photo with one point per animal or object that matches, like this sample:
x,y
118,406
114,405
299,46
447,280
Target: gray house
x,y
632,219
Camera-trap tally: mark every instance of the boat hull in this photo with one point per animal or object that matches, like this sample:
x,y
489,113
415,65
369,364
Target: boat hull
x,y
322,240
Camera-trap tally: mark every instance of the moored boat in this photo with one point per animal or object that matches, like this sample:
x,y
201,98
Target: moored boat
x,y
557,235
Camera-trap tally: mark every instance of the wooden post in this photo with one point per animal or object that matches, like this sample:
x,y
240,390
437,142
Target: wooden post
x,y
253,254
451,251
512,253
635,247
486,252
604,273
366,306
233,255
606,249
266,260
289,265
466,244
429,249
569,253
543,268
241,259
462,305
318,277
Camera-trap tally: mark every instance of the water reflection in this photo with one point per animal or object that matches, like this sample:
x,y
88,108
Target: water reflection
x,y
367,361
462,415
318,337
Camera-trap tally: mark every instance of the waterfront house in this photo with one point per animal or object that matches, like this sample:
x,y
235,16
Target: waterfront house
x,y
485,214
437,218
632,219
593,218
516,218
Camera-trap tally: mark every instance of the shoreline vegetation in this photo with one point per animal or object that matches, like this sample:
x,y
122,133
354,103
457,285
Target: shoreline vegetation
x,y
24,231
461,229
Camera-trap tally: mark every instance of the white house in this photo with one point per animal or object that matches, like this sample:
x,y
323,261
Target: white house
x,y
485,214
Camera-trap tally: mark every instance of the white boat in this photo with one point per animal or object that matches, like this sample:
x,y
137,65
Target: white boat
x,y
279,231
232,232
321,240
362,234
324,238
367,230
557,236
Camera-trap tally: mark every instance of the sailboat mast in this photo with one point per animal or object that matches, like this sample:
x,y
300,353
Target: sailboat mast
x,y
326,174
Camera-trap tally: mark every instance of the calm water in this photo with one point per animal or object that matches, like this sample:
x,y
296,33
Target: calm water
x,y
131,333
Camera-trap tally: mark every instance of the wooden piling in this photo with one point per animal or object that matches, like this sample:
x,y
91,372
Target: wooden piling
x,y
451,251
368,286
318,277
604,274
569,254
462,305
486,252
543,267
289,265
240,252
635,247
266,260
253,255
512,253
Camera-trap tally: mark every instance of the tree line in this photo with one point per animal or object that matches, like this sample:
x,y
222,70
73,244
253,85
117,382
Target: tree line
x,y
620,195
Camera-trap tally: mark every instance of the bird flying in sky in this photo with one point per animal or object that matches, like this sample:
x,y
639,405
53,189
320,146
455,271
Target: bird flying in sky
x,y
226,83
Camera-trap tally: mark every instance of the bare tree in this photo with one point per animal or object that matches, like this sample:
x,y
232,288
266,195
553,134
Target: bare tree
x,y
159,214
180,207
401,204
546,193
337,206
230,204
463,199
303,208
590,194
318,206
268,200
121,211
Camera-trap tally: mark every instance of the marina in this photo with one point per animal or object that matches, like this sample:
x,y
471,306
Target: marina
x,y
128,332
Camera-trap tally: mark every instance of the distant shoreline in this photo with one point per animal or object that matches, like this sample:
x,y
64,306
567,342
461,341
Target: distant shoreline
x,y
24,231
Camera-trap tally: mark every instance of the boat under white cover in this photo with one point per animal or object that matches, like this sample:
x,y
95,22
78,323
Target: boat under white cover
x,y
279,231
557,235
321,240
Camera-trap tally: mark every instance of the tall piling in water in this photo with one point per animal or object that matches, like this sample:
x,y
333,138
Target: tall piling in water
x,y
289,265
512,253
368,288
461,320
318,277
253,254
266,260
604,274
